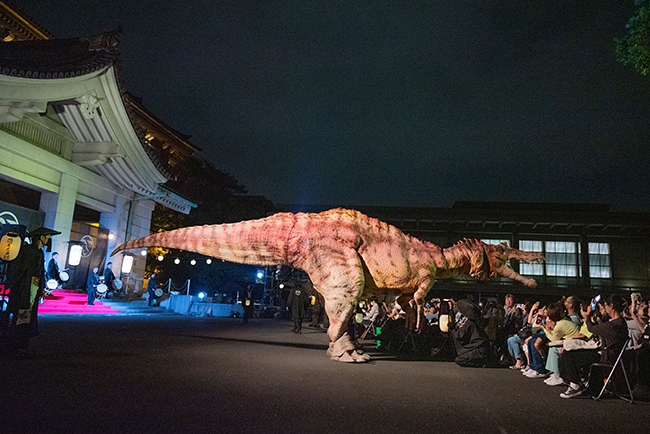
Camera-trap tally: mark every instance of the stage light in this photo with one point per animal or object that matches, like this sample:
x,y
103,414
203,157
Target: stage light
x,y
177,261
75,255
260,274
201,295
193,262
143,252
281,286
111,236
208,261
127,264
160,258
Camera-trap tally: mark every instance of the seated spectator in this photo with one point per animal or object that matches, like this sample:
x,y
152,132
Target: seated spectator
x,y
534,346
513,321
370,315
639,312
572,306
558,327
492,320
515,341
613,335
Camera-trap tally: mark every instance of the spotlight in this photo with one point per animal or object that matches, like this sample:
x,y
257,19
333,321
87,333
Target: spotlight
x,y
111,236
281,286
177,261
193,262
160,258
208,261
260,274
201,295
143,252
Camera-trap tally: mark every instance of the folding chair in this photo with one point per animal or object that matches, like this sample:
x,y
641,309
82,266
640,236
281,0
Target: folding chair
x,y
612,369
377,323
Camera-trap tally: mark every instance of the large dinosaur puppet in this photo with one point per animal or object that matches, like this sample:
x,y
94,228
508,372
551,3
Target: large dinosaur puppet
x,y
346,254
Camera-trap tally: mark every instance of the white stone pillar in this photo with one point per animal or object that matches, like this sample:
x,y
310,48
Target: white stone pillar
x,y
59,212
116,222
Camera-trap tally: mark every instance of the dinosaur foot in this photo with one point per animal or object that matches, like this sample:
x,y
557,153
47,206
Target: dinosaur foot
x,y
343,351
351,357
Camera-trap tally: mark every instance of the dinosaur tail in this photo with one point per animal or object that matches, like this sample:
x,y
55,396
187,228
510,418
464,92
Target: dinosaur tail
x,y
257,242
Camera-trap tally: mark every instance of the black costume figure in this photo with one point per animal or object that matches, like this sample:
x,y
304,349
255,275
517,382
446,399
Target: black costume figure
x,y
470,340
26,280
297,304
247,302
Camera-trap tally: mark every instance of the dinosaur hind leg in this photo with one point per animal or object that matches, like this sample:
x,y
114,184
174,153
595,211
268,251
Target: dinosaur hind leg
x,y
339,278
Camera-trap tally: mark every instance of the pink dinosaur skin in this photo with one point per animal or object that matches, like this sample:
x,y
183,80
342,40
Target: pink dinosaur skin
x,y
347,255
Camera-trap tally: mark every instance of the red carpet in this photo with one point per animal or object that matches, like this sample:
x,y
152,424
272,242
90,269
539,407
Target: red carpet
x,y
68,302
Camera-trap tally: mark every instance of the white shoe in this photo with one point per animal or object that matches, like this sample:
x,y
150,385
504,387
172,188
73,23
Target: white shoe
x,y
535,374
526,371
554,380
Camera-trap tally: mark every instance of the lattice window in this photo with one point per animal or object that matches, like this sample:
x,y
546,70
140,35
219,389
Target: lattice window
x,y
599,265
531,269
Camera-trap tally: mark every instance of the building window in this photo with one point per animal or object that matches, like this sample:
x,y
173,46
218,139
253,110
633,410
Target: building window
x,y
562,258
599,266
494,241
531,269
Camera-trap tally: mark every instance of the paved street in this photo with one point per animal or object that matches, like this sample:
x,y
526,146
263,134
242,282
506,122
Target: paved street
x,y
169,373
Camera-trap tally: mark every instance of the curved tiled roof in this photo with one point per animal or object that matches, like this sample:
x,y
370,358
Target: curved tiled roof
x,y
59,58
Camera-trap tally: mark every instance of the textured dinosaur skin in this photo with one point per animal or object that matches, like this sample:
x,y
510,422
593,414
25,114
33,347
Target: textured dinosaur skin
x,y
346,255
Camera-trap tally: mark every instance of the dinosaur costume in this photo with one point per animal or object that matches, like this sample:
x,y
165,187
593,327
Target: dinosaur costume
x,y
346,254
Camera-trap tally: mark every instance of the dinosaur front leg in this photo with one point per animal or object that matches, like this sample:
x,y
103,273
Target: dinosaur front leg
x,y
418,297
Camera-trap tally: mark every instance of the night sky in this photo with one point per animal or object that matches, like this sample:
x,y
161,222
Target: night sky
x,y
397,103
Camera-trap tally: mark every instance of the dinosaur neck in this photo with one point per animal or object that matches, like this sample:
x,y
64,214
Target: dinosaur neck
x,y
457,260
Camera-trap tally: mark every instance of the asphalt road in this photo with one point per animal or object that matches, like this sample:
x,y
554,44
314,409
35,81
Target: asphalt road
x,y
175,374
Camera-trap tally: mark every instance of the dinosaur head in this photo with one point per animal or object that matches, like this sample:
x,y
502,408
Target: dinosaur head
x,y
498,256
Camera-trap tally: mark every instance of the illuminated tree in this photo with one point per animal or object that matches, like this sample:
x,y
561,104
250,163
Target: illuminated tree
x,y
634,48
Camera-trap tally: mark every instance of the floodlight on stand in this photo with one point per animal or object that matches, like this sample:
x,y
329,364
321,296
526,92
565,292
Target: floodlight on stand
x,y
74,256
75,252
127,263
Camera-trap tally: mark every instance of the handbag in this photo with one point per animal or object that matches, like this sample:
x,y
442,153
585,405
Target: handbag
x,y
581,344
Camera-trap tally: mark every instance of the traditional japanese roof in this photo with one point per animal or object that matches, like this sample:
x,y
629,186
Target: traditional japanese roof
x,y
59,58
79,78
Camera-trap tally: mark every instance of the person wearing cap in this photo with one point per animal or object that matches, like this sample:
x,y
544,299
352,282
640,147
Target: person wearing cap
x,y
26,280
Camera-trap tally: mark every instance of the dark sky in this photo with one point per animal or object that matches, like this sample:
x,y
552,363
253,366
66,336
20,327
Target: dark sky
x,y
400,103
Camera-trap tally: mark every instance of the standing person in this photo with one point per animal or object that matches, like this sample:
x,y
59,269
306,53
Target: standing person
x,y
53,267
91,286
26,280
297,304
151,289
247,303
109,277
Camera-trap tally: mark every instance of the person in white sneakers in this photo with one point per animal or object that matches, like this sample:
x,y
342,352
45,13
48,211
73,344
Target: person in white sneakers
x,y
613,335
558,328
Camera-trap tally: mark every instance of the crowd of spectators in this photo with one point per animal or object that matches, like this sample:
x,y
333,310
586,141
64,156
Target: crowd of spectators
x,y
557,342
